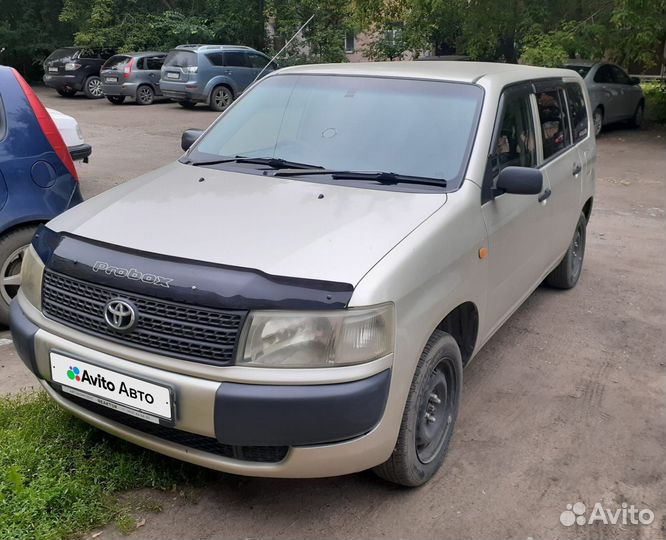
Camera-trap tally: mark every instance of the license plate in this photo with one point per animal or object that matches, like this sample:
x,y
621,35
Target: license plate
x,y
172,75
111,79
53,69
111,389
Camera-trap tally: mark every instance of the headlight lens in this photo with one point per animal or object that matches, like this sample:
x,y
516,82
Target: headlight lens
x,y
318,338
32,269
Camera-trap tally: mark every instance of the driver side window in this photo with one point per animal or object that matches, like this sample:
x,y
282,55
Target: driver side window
x,y
515,144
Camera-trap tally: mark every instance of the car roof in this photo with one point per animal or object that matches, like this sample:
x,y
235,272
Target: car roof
x,y
578,62
143,53
453,71
203,47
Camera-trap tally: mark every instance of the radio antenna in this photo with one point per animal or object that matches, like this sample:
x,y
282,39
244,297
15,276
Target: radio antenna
x,y
285,46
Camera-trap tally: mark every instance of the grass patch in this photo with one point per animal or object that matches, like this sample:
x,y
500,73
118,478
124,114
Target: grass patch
x,y
59,477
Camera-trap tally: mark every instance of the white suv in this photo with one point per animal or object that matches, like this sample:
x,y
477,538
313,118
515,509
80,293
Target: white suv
x,y
297,296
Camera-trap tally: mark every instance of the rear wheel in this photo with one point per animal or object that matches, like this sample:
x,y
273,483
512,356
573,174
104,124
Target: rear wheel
x,y
637,119
566,274
220,98
187,104
12,250
430,414
598,120
116,100
93,87
145,95
66,92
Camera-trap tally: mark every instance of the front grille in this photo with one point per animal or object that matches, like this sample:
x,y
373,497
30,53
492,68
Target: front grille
x,y
170,328
260,454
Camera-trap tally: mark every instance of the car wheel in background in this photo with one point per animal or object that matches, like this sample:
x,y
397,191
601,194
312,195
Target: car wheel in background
x,y
597,120
12,249
429,416
116,100
66,92
637,119
566,274
145,95
187,104
93,87
220,98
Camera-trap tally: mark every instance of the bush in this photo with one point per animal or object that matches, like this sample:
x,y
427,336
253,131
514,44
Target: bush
x,y
655,101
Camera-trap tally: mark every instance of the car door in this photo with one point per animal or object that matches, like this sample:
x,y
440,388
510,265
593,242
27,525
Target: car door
x,y
629,94
580,131
261,64
517,225
560,163
609,93
237,68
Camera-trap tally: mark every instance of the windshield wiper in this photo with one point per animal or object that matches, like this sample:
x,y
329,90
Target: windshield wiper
x,y
387,178
273,163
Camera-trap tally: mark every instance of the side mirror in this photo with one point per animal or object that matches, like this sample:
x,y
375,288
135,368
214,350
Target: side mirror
x,y
189,137
634,81
519,181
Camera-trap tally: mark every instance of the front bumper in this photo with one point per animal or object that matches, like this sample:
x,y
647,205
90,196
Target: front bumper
x,y
65,82
327,423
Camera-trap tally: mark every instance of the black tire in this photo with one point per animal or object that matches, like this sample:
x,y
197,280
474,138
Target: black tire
x,y
566,274
220,98
116,100
427,425
12,246
145,95
66,92
637,120
93,87
187,104
597,121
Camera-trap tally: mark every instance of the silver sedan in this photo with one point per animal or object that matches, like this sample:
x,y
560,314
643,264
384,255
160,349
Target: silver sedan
x,y
615,96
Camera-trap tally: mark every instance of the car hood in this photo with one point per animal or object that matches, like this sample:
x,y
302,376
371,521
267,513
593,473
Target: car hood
x,y
281,226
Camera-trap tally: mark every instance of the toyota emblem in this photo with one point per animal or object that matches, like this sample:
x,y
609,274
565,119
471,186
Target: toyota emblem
x,y
120,315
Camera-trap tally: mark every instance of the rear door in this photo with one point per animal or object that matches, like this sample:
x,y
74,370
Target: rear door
x,y
518,225
152,66
560,163
237,67
180,65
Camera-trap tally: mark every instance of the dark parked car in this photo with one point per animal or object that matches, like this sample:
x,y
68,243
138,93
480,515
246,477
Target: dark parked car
x,y
38,180
211,74
76,69
614,95
135,75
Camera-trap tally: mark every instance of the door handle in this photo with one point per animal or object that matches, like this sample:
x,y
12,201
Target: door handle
x,y
576,169
544,195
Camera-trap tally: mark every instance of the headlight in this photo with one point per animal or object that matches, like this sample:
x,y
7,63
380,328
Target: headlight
x,y
32,269
317,338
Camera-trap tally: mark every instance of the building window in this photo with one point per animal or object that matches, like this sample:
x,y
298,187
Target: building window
x,y
350,38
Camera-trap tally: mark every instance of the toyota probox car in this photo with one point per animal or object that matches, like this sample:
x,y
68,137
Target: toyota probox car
x,y
297,296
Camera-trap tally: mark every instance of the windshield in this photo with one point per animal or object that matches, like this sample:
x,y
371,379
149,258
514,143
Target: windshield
x,y
181,59
581,70
116,62
402,126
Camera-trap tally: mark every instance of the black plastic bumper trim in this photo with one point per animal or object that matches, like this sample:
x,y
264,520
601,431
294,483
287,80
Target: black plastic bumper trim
x,y
247,414
80,151
23,334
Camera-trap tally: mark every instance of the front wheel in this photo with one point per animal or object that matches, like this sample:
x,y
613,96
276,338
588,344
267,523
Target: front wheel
x,y
220,98
637,119
566,274
12,250
430,414
116,100
93,88
187,104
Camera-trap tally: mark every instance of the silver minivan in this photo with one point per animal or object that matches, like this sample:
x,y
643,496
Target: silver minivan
x,y
134,75
298,295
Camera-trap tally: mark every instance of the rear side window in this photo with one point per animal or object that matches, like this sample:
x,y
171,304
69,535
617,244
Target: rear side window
x,y
181,59
154,62
577,112
515,144
216,58
116,62
236,59
554,122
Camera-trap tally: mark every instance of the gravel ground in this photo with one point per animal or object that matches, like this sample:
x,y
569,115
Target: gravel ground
x,y
564,404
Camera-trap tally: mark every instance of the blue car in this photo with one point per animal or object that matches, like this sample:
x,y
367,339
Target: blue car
x,y
38,179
